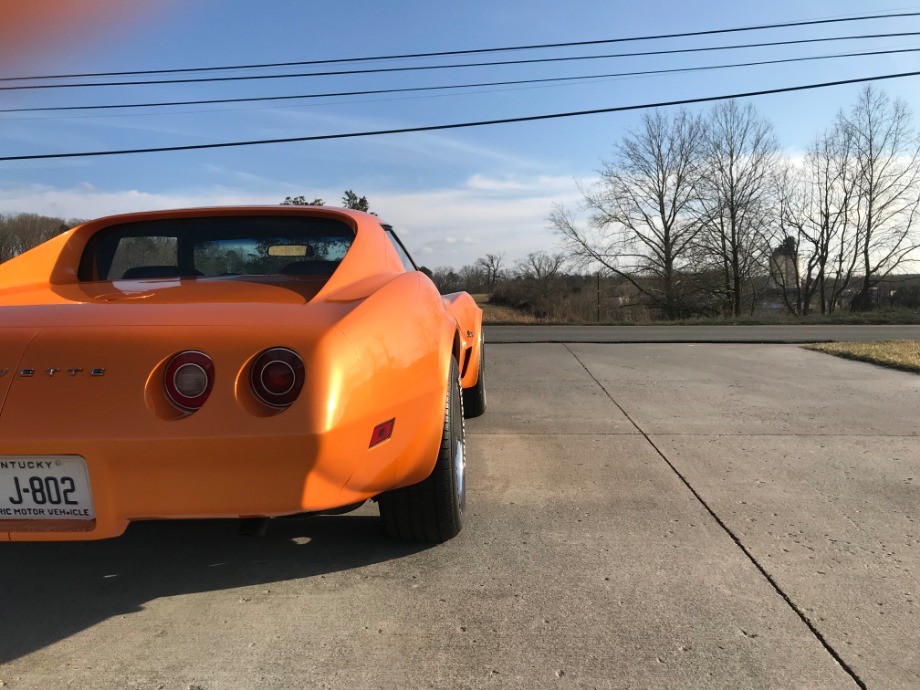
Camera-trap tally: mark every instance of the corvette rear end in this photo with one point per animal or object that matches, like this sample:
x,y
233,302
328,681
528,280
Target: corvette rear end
x,y
169,395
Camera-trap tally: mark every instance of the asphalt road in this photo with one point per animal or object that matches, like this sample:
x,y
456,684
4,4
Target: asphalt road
x,y
641,516
698,334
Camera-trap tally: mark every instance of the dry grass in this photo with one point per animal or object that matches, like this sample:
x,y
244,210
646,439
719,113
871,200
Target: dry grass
x,y
882,317
638,315
897,354
498,314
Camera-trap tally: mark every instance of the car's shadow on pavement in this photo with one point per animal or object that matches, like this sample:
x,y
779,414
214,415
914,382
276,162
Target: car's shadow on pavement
x,y
49,591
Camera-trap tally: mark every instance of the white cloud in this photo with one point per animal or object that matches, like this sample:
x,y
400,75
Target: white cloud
x,y
450,226
486,215
85,201
517,183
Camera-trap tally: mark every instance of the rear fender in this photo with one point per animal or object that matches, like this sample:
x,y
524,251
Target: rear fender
x,y
403,336
468,317
53,262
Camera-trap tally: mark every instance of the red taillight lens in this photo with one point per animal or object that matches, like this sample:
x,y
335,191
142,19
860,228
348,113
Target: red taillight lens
x,y
277,376
188,379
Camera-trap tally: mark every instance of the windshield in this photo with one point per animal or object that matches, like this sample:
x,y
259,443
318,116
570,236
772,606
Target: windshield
x,y
217,246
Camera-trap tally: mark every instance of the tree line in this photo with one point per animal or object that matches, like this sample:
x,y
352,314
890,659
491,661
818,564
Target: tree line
x,y
20,232
700,213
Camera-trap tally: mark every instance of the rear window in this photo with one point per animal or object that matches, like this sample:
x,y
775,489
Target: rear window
x,y
216,246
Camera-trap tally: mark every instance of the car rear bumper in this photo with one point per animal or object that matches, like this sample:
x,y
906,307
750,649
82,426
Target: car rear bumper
x,y
208,478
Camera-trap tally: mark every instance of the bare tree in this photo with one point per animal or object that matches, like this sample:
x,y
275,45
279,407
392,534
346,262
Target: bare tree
x,y
640,227
446,279
541,269
9,244
21,231
473,278
816,211
786,238
491,267
734,201
887,171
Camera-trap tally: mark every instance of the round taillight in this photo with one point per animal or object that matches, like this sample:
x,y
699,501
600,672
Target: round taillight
x,y
277,376
188,379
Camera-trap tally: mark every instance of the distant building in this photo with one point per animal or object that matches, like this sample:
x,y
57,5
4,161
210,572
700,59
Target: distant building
x,y
784,264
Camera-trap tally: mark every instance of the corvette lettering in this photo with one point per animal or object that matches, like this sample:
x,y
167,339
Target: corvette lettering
x,y
51,371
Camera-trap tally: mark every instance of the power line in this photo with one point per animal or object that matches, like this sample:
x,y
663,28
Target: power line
x,y
417,68
450,87
472,51
464,125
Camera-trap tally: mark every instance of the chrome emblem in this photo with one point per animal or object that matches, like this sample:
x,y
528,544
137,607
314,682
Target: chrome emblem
x,y
51,371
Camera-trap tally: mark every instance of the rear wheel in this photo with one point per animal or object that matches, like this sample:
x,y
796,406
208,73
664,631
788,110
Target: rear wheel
x,y
474,397
433,509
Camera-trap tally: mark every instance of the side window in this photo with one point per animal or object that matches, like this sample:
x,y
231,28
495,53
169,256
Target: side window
x,y
407,261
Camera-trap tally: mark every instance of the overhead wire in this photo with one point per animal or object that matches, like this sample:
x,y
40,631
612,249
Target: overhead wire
x,y
463,125
416,68
473,51
453,87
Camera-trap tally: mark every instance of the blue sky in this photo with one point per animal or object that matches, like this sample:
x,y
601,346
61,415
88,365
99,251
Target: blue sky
x,y
455,195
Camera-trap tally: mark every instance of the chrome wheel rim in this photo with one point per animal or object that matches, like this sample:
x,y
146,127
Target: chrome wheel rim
x,y
460,474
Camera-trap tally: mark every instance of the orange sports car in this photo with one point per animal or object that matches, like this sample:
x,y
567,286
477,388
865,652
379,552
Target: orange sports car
x,y
245,362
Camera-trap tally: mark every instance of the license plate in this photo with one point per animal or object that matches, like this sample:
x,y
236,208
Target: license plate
x,y
44,487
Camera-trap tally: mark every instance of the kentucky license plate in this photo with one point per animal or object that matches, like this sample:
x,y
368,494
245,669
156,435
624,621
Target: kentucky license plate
x,y
44,487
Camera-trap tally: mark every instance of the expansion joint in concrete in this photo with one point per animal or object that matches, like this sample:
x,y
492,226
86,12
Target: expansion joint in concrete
x,y
734,537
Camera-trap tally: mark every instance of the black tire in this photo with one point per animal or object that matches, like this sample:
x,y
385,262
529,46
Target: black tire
x,y
433,509
474,398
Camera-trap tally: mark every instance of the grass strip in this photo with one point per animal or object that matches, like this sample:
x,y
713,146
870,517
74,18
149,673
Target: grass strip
x,y
896,354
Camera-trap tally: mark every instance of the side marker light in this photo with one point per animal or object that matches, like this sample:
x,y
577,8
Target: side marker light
x,y
382,432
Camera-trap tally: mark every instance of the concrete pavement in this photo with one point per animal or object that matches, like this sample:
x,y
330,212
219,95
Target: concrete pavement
x,y
812,464
641,516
